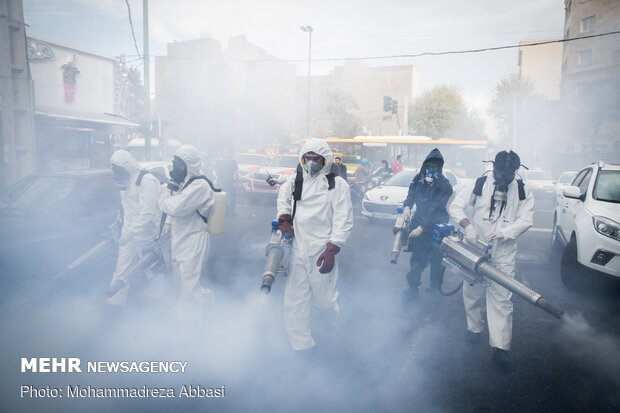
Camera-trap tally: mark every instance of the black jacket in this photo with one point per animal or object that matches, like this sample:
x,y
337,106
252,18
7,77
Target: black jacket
x,y
430,199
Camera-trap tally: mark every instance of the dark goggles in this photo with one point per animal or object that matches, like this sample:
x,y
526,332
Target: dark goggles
x,y
432,163
312,157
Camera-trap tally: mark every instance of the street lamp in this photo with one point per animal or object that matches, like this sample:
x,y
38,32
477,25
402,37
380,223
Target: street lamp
x,y
308,29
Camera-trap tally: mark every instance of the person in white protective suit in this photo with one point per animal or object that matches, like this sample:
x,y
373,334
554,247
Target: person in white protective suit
x,y
186,200
503,209
320,222
141,217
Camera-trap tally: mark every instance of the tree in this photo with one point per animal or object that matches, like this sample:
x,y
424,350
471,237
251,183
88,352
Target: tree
x,y
441,113
340,107
512,97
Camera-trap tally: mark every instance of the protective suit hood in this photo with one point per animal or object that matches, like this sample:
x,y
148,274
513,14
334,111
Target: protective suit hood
x,y
126,161
320,147
191,157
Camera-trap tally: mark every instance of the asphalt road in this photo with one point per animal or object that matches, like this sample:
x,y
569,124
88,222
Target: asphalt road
x,y
386,354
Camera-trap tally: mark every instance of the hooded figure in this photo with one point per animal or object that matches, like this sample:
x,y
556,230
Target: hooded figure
x,y
184,201
322,223
500,214
429,192
141,216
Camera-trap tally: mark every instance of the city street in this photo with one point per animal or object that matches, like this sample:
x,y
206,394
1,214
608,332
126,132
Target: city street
x,y
386,354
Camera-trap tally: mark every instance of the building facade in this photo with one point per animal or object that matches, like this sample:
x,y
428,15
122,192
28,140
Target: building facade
x,y
77,105
590,85
353,93
16,100
214,96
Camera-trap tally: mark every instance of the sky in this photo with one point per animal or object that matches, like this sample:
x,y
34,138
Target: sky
x,y
342,29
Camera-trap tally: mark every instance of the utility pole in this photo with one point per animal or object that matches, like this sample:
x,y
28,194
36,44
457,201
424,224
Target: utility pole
x,y
309,30
147,83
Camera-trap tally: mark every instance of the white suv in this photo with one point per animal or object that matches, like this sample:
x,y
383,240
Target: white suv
x,y
587,223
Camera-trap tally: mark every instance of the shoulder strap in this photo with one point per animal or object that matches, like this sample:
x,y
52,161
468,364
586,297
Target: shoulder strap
x,y
141,175
213,188
193,178
479,184
521,187
299,183
331,181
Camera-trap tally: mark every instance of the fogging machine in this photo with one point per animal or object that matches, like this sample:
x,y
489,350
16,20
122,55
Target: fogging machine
x,y
471,263
401,235
277,252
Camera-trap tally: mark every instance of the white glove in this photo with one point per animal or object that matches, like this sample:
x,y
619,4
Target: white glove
x,y
471,235
407,213
416,232
495,235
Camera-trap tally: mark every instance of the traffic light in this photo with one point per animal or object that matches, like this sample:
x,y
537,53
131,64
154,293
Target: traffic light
x,y
387,103
394,108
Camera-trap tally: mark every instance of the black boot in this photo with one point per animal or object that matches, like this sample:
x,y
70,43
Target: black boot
x,y
501,359
472,338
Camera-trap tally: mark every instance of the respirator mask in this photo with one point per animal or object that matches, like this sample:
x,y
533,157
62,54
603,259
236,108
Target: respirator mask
x,y
121,176
312,163
179,170
430,176
504,168
433,169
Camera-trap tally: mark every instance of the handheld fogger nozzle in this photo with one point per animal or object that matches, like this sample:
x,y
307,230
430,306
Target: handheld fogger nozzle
x,y
401,234
472,264
277,252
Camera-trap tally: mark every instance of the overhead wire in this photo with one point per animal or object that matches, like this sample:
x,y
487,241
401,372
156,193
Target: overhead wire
x,y
401,56
133,33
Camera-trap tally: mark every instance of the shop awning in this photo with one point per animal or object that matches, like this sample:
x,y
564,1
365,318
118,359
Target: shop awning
x,y
106,118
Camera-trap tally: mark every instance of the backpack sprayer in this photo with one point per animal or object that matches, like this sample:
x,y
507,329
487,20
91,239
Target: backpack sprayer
x,y
471,263
277,252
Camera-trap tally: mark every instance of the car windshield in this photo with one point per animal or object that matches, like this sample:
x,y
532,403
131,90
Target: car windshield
x,y
403,178
538,175
38,194
607,187
251,159
285,161
566,178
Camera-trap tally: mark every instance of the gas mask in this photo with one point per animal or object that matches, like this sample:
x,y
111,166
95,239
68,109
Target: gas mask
x,y
179,170
312,163
430,176
504,168
121,176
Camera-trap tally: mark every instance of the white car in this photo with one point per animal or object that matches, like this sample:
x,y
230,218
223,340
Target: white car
x,y
248,163
587,224
278,168
565,178
382,201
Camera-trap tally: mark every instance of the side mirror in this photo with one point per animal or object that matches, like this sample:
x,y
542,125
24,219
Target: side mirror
x,y
572,192
554,182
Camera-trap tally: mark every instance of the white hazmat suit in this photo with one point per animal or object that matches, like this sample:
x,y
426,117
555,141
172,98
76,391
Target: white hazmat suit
x,y
141,216
516,217
321,216
189,234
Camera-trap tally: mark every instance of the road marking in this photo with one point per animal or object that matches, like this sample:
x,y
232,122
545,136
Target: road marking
x,y
540,229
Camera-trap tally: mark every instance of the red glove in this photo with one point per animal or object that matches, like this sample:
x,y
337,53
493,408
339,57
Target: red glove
x,y
326,259
284,221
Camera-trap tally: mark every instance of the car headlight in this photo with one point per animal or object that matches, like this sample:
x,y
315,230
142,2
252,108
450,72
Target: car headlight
x,y
366,197
607,227
243,173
